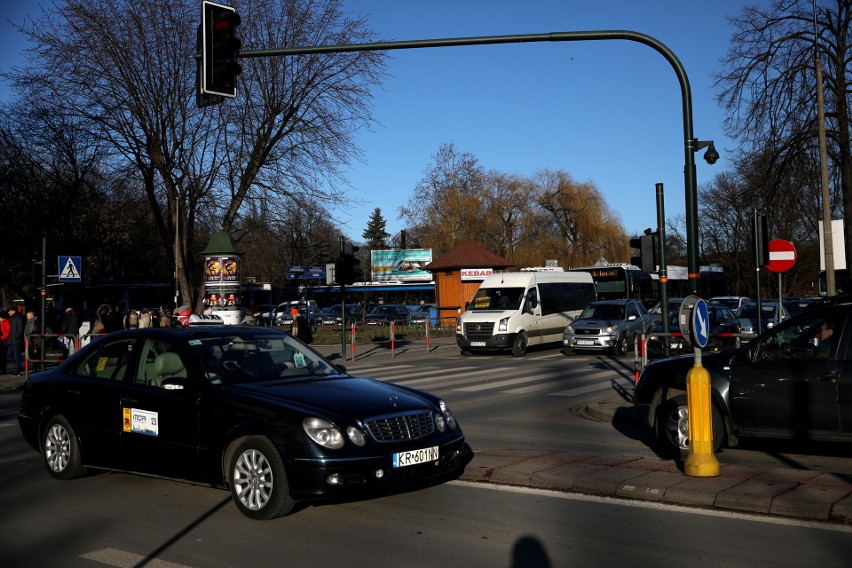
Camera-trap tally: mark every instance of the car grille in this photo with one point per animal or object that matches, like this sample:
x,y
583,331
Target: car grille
x,y
408,426
587,332
478,331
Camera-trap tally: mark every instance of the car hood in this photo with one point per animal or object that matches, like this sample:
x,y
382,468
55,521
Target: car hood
x,y
340,394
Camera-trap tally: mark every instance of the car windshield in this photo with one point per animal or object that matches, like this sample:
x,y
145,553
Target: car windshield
x,y
248,358
497,299
384,310
603,311
750,311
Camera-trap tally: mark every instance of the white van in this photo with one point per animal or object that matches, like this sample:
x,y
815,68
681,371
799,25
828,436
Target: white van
x,y
512,310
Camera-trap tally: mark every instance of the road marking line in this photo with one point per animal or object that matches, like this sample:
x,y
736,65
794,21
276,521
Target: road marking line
x,y
517,381
583,390
558,384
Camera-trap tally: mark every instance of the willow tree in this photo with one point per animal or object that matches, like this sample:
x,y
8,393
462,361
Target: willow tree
x,y
127,68
579,214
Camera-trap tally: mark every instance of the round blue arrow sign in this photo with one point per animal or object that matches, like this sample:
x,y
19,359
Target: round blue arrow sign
x,y
700,324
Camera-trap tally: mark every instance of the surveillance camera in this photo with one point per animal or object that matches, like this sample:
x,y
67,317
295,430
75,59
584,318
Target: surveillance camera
x,y
711,155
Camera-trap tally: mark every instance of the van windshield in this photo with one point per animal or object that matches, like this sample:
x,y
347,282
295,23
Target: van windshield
x,y
497,299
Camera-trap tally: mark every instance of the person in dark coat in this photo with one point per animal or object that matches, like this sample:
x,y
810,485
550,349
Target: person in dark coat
x,y
70,328
300,328
16,339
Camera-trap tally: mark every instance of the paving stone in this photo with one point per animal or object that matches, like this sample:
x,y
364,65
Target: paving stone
x,y
607,481
651,486
699,491
753,495
809,501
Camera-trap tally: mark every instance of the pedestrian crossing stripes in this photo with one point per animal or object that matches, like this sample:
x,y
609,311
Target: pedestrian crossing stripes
x,y
567,382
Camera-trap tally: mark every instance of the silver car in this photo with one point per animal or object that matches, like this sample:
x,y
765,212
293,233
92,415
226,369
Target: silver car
x,y
607,325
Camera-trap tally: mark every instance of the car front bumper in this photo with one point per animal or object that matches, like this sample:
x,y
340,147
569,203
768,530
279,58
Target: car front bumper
x,y
322,478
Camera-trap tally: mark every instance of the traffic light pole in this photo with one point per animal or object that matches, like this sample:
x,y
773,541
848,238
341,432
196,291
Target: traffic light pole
x,y
691,145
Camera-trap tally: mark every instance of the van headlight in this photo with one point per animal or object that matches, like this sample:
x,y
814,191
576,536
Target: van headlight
x,y
458,325
504,325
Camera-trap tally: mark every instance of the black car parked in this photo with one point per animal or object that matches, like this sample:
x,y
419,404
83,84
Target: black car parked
x,y
248,408
723,334
793,381
384,314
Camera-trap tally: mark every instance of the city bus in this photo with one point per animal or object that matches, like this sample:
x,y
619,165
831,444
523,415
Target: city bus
x,y
620,281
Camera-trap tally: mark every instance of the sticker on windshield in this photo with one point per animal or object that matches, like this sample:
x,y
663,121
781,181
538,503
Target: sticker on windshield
x,y
141,422
299,359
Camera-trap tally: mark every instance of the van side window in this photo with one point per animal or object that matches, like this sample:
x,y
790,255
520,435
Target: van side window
x,y
531,300
561,297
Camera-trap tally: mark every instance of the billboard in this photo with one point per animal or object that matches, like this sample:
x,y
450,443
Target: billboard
x,y
403,265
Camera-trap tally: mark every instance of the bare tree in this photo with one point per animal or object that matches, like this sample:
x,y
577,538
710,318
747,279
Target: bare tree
x,y
128,70
768,86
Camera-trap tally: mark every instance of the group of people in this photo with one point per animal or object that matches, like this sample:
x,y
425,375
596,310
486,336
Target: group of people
x,y
12,334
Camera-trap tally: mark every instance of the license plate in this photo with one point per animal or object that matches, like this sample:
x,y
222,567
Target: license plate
x,y
415,457
585,342
477,344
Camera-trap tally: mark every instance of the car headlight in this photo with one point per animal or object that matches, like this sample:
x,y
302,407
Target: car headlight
x,y
323,433
504,324
569,329
446,417
458,325
356,436
610,329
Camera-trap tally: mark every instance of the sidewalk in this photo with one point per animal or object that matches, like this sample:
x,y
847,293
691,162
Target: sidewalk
x,y
775,491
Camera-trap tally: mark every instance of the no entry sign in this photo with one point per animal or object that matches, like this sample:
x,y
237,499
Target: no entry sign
x,y
782,255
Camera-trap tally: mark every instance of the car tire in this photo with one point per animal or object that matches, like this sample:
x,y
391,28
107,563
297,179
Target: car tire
x,y
258,480
620,347
673,426
519,347
61,450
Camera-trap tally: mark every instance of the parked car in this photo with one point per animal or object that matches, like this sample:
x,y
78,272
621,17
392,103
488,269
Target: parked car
x,y
332,316
251,409
770,315
263,314
656,313
384,314
723,333
607,325
793,381
424,313
734,303
309,309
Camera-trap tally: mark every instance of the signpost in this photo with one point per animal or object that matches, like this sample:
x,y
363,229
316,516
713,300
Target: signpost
x,y
695,326
782,257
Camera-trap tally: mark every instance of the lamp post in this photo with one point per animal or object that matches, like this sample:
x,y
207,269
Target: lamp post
x,y
691,145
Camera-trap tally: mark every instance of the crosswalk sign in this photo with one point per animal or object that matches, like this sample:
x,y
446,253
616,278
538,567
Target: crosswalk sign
x,y
69,269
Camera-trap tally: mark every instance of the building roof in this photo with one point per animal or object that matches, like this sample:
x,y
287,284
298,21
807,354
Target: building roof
x,y
468,254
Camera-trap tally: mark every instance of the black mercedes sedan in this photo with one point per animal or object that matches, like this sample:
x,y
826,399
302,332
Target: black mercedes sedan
x,y
250,409
794,381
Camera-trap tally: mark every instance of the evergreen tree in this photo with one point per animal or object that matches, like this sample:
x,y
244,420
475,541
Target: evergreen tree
x,y
375,232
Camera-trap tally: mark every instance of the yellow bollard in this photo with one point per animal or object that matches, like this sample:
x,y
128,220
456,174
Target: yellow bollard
x,y
701,461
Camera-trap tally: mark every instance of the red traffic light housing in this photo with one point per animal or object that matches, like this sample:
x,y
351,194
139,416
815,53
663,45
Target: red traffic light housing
x,y
219,50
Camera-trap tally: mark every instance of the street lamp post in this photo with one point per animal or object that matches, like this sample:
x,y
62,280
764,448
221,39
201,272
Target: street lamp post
x,y
691,145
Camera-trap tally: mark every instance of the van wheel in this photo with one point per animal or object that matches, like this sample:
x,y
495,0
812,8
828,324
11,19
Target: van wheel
x,y
519,347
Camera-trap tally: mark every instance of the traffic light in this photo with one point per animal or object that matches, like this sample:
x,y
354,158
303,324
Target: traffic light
x,y
347,269
220,46
646,246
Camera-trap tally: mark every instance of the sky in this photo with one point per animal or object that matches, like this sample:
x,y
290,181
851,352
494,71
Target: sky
x,y
607,112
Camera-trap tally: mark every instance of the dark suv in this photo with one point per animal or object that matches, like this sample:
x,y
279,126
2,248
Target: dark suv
x,y
793,381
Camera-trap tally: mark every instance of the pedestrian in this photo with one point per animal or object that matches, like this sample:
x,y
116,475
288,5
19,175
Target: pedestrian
x,y
131,319
165,317
102,320
16,339
5,327
34,342
70,330
300,328
144,318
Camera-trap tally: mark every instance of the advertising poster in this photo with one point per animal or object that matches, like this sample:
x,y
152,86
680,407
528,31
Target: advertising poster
x,y
402,265
221,270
